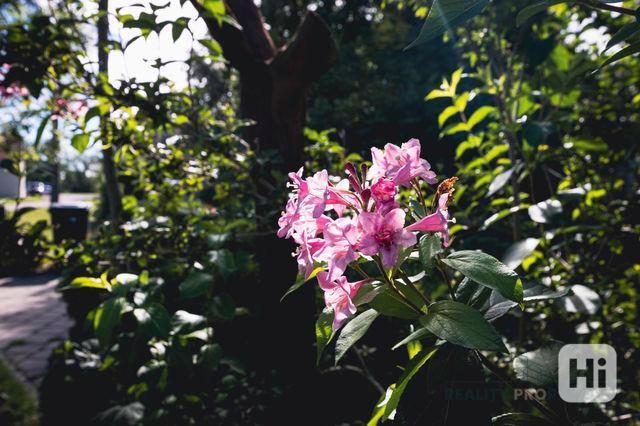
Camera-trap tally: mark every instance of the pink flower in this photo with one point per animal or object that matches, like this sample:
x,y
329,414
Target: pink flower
x,y
383,191
297,219
317,188
306,250
385,234
400,164
287,218
338,295
436,222
341,238
340,197
306,203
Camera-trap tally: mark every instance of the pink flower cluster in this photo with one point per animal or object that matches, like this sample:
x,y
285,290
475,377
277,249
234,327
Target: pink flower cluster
x,y
335,223
13,90
69,109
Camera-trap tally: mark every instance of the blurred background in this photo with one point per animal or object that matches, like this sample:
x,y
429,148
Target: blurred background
x,y
144,149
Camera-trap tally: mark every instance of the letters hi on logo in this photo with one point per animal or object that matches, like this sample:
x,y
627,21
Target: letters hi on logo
x,y
587,373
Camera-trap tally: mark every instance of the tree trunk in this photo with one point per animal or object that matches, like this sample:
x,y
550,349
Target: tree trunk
x,y
274,83
108,165
54,161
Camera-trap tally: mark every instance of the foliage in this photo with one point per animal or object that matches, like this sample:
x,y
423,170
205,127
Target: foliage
x,y
17,405
503,95
22,245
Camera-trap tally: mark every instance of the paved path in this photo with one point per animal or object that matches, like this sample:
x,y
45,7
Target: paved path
x,y
33,321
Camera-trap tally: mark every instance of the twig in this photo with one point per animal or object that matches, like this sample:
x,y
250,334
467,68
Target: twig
x,y
367,373
395,289
446,279
406,279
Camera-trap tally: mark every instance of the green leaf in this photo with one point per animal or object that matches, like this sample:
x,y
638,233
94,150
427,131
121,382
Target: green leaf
x,y
499,181
545,211
398,388
536,292
445,15
626,31
123,415
107,316
488,271
176,31
479,115
196,284
461,101
300,281
519,419
419,334
353,331
212,45
537,132
429,246
368,292
89,282
184,321
210,355
447,113
582,299
463,326
533,292
473,294
501,215
387,303
153,320
518,251
437,93
41,127
80,142
146,21
539,367
215,7
125,279
456,128
534,9
222,307
627,51
324,331
223,260
455,80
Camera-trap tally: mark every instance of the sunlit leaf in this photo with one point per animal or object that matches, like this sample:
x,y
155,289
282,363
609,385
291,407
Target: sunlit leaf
x,y
444,15
353,331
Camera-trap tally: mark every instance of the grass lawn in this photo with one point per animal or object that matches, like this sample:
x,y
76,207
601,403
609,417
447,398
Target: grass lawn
x,y
17,405
35,216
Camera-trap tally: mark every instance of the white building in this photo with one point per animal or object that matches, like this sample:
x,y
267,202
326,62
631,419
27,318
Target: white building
x,y
11,186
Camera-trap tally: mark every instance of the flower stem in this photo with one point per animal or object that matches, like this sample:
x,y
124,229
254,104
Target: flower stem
x,y
395,289
406,279
358,269
416,186
445,276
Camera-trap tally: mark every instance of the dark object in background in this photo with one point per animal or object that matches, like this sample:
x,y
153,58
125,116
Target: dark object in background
x,y
2,216
69,222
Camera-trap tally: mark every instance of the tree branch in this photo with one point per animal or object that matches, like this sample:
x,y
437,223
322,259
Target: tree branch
x,y
311,52
235,48
250,19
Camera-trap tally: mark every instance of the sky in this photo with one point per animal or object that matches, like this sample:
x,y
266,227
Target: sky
x,y
135,63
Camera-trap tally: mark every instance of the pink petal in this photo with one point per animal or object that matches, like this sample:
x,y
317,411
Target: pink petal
x,y
435,222
394,219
